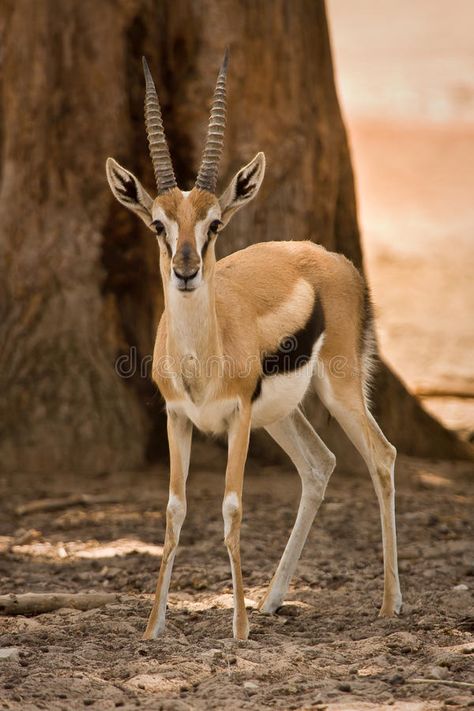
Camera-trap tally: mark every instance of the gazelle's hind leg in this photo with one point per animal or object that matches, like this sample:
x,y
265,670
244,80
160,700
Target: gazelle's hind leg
x,y
345,400
315,464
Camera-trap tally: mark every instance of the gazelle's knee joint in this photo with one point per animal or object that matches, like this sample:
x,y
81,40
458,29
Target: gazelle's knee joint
x,y
318,476
385,468
175,513
231,512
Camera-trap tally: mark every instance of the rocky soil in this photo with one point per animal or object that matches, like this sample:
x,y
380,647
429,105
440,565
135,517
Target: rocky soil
x,y
325,649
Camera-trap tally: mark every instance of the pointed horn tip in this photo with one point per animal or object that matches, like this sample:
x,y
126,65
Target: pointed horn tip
x,y
146,69
225,61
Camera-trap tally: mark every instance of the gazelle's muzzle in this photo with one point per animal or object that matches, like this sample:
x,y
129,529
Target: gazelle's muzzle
x,y
186,268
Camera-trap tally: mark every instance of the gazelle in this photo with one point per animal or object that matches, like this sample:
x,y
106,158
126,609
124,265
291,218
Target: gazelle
x,y
242,341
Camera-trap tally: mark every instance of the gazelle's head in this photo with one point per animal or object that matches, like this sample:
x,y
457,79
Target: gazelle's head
x,y
186,223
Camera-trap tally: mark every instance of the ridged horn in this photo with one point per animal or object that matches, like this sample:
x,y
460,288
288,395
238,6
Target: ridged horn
x,y
159,151
207,176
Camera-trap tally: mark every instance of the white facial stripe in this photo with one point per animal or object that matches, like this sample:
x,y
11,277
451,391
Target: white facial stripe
x,y
171,227
202,227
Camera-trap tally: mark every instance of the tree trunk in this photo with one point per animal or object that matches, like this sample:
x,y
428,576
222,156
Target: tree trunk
x,y
79,276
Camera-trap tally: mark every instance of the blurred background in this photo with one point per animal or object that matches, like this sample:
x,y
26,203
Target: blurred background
x,y
407,94
80,288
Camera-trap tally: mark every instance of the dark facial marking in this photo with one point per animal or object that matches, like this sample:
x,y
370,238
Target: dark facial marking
x,y
205,247
243,186
162,237
295,351
186,251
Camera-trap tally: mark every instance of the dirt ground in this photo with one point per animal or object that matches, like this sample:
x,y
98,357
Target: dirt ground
x,y
325,649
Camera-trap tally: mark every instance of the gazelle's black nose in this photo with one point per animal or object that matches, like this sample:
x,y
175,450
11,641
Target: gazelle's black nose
x,y
186,276
185,279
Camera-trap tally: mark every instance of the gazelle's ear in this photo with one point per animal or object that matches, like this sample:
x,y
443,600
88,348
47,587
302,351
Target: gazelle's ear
x,y
129,191
243,187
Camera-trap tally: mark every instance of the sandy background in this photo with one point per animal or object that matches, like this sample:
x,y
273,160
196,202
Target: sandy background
x,y
405,73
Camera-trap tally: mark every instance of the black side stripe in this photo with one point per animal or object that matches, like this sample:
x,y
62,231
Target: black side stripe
x,y
258,390
295,350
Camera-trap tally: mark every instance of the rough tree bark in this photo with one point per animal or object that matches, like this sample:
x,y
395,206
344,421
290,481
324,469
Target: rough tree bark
x,y
79,283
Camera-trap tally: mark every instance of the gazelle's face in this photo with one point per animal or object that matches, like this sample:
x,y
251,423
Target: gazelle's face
x,y
186,224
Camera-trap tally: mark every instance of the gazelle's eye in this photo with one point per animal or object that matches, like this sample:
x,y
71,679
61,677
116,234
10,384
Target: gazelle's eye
x,y
159,227
214,227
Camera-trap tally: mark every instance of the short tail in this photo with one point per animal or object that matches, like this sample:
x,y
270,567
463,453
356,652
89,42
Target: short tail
x,y
368,345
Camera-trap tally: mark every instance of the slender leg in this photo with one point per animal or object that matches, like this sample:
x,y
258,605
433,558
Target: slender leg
x,y
345,401
239,433
179,440
315,464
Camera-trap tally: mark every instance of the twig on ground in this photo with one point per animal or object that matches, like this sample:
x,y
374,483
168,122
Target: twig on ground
x,y
446,682
65,502
39,603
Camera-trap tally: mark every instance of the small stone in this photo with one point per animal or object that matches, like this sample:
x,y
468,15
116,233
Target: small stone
x,y
11,654
250,685
439,673
396,680
23,536
460,587
344,687
463,702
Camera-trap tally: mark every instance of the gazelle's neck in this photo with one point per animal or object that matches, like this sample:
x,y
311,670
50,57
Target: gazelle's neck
x,y
192,322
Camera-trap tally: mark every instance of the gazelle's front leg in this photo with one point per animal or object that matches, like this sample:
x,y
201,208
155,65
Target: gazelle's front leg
x,y
239,433
179,440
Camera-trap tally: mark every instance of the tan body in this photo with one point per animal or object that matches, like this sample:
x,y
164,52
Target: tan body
x,y
271,287
241,342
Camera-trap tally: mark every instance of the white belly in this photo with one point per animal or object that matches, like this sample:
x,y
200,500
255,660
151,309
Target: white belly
x,y
213,416
280,395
